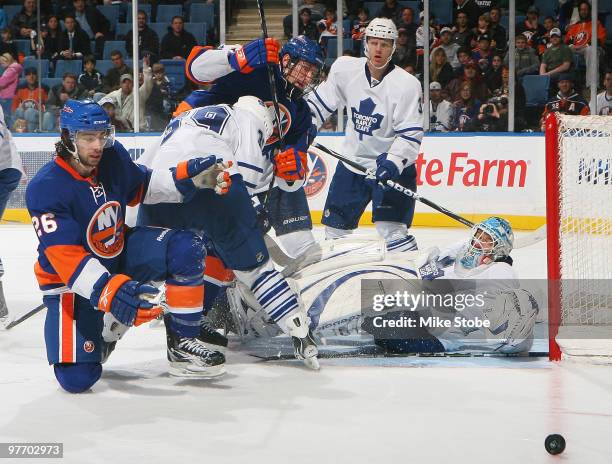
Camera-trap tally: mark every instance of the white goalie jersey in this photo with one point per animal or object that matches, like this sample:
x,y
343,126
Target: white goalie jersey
x,y
383,117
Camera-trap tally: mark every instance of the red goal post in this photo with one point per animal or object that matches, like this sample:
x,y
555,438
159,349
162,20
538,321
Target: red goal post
x,y
579,235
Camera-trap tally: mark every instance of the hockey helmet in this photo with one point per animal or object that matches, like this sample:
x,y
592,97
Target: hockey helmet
x,y
86,116
258,108
381,28
492,238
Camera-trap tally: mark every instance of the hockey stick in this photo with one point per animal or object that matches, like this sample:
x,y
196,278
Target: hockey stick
x,y
27,315
317,148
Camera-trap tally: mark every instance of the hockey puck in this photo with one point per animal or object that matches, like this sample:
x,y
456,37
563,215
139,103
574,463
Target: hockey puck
x,y
554,443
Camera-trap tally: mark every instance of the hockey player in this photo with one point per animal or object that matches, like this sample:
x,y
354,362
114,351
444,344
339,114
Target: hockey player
x,y
235,71
234,134
384,133
92,270
10,174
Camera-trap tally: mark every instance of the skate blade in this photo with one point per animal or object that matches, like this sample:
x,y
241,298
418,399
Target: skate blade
x,y
178,369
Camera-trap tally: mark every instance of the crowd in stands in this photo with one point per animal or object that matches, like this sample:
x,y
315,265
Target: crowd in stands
x,y
469,59
82,50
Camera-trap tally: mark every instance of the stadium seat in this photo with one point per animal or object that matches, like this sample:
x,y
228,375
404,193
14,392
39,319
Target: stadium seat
x,y
536,89
146,7
123,29
332,46
51,81
202,13
111,12
373,7
165,13
11,11
609,29
64,66
32,62
161,29
547,8
443,11
175,70
198,30
23,46
103,66
111,45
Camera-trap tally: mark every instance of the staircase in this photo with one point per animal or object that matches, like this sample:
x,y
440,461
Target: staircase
x,y
246,25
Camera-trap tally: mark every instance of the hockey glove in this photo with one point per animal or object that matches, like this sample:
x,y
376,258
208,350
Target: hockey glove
x,y
386,170
199,173
291,164
125,299
427,265
255,54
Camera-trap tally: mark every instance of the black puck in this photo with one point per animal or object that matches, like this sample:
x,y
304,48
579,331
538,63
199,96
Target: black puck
x,y
554,443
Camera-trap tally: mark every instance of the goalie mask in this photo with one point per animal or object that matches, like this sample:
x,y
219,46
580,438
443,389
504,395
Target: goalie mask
x,y
301,62
492,240
380,28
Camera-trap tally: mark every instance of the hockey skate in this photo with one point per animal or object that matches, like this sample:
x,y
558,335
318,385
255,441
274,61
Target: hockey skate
x,y
304,345
210,337
189,357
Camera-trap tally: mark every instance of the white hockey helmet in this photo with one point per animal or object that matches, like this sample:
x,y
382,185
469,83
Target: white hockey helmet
x,y
259,109
381,28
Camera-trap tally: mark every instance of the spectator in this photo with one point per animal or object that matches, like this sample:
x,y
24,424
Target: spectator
x,y
604,99
493,76
450,48
58,96
124,96
461,32
439,69
360,24
420,39
441,110
531,28
407,21
526,60
316,9
25,21
328,26
161,81
568,13
111,80
483,28
91,79
410,68
499,36
578,38
391,9
465,108
177,43
470,8
94,24
74,42
156,116
30,100
20,126
504,91
567,101
492,117
557,59
7,45
8,83
403,52
544,40
148,42
471,75
109,106
50,39
464,56
306,26
483,55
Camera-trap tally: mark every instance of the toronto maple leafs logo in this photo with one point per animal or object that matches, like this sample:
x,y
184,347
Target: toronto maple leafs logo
x,y
364,119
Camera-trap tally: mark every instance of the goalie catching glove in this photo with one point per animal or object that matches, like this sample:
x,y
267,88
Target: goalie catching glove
x,y
291,164
201,173
125,299
255,54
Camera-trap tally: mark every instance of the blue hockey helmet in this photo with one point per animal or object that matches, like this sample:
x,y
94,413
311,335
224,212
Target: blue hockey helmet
x,y
492,238
86,116
301,79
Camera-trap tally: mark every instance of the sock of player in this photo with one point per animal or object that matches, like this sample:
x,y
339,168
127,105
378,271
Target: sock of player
x,y
216,277
185,298
406,243
396,236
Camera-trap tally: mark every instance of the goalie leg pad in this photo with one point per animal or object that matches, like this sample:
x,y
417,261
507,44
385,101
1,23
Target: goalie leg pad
x,y
77,377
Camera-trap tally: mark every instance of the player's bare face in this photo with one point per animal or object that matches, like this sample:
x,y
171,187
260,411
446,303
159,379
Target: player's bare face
x,y
89,148
380,51
301,74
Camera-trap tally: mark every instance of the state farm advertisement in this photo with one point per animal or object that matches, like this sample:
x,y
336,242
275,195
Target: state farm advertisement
x,y
466,174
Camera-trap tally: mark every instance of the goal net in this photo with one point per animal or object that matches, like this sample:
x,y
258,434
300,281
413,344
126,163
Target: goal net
x,y
579,219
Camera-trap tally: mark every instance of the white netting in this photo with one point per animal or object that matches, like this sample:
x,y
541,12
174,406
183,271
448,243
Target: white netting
x,y
585,231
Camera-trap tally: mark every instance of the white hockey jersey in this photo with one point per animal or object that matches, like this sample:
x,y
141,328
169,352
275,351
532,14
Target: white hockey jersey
x,y
383,117
9,156
229,134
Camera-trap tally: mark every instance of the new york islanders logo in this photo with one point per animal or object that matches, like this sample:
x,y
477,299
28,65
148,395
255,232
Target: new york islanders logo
x,y
317,177
285,119
105,230
364,119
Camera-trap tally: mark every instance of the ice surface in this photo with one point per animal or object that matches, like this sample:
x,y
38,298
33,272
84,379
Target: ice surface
x,y
430,410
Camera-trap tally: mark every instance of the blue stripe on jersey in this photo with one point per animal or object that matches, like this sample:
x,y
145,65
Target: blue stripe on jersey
x,y
322,102
416,129
250,166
